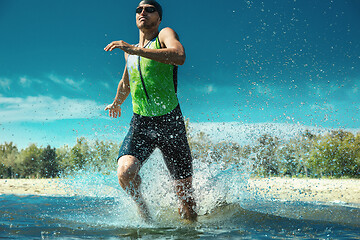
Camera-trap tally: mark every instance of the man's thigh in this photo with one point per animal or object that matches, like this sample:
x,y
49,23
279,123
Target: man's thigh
x,y
137,143
177,158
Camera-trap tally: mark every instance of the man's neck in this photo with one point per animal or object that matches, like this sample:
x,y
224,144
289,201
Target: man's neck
x,y
146,36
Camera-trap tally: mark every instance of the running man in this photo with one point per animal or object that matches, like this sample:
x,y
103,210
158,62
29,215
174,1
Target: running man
x,y
150,76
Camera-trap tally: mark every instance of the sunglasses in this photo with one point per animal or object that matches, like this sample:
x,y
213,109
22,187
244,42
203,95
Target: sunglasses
x,y
147,9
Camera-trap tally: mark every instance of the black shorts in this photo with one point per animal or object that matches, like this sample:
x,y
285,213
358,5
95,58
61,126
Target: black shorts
x,y
165,132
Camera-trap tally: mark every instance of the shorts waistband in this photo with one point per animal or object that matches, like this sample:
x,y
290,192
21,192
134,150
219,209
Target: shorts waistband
x,y
176,112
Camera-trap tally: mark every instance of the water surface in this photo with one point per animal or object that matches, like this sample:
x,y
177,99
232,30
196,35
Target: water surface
x,y
227,211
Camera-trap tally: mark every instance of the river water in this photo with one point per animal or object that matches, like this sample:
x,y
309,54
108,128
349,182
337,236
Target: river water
x,y
227,210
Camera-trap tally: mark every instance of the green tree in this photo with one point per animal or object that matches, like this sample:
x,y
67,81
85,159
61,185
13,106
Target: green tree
x,y
294,154
63,157
287,162
80,154
8,155
104,155
29,162
336,155
227,152
266,160
49,166
200,146
303,148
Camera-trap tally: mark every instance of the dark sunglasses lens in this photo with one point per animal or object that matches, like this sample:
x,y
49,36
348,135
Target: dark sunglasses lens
x,y
147,9
150,9
139,10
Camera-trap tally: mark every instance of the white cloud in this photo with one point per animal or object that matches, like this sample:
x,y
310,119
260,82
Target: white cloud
x,y
25,81
106,85
5,83
210,89
265,89
323,107
45,108
207,89
67,82
353,91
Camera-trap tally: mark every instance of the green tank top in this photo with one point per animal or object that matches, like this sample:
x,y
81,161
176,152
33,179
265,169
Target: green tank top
x,y
152,84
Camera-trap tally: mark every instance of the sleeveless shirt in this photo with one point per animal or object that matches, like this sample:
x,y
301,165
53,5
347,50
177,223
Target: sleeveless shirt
x,y
152,84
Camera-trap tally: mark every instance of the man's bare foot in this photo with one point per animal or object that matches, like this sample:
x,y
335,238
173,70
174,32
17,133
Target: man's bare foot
x,y
144,213
187,203
187,213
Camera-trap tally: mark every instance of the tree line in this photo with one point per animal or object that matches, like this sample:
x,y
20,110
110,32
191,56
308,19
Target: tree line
x,y
48,162
335,154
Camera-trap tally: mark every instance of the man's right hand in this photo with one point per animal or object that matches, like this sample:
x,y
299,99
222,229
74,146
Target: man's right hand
x,y
114,110
126,47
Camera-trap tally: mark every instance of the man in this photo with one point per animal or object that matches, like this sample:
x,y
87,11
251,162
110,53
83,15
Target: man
x,y
150,75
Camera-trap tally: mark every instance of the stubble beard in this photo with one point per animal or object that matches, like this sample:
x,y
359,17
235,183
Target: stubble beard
x,y
146,26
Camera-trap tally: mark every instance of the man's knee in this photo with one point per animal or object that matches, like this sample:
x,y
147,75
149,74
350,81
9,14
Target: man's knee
x,y
128,168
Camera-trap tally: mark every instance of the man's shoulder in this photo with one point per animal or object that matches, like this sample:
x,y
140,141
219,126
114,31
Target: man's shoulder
x,y
168,33
166,30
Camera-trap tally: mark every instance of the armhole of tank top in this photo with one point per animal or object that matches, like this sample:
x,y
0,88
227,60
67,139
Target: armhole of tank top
x,y
175,80
158,41
135,45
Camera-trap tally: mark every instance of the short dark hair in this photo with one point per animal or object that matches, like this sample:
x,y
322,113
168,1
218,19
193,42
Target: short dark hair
x,y
155,4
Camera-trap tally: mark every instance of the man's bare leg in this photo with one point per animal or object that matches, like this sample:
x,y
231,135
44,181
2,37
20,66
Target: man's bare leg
x,y
184,191
129,179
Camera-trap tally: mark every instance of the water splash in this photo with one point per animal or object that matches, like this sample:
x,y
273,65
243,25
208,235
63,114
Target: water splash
x,y
215,184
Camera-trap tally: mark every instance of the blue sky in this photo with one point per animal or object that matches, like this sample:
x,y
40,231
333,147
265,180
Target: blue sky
x,y
294,62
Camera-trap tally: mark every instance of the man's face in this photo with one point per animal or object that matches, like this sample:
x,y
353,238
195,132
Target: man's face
x,y
146,17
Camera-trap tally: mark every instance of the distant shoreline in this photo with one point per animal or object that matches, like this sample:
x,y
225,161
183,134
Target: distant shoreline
x,y
344,191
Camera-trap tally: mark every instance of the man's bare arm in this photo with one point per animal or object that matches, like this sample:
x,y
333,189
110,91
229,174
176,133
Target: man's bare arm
x,y
173,53
123,89
122,93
